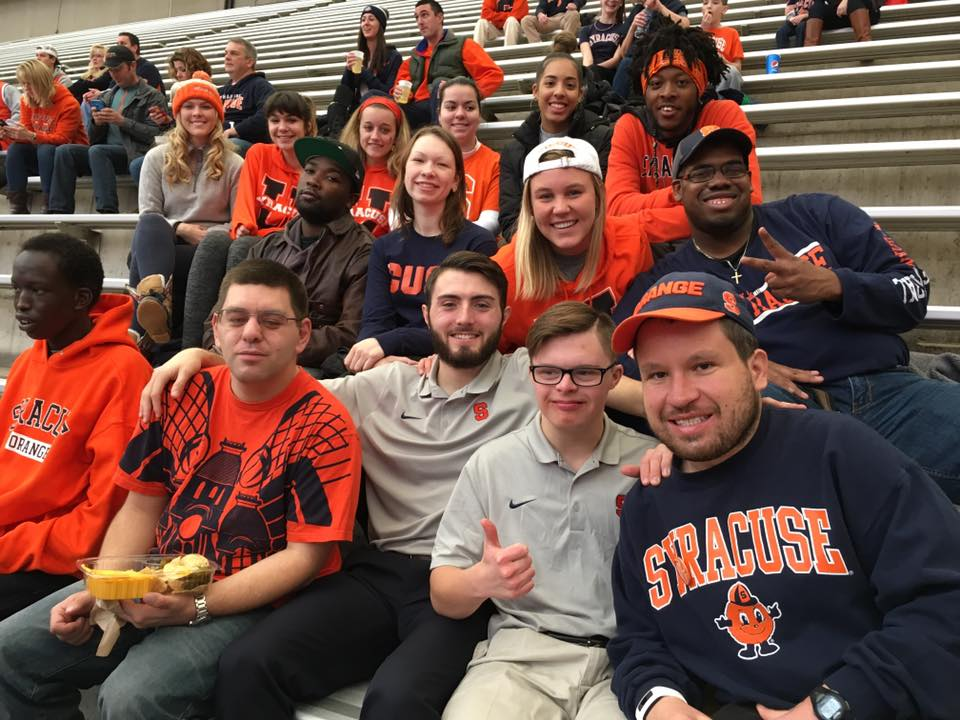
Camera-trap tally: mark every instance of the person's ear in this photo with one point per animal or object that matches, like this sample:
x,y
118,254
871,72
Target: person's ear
x,y
677,190
757,364
83,299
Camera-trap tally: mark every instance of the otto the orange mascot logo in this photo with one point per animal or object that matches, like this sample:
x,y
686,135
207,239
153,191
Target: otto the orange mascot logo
x,y
749,622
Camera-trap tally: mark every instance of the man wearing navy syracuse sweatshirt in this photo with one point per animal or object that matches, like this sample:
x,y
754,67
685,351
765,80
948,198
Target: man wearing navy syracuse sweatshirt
x,y
829,292
795,566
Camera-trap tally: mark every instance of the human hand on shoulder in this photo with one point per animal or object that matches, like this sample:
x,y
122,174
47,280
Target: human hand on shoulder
x,y
364,355
789,277
671,708
70,618
504,573
177,370
386,360
653,466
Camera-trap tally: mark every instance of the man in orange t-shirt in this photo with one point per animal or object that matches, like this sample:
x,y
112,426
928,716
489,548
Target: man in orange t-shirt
x,y
251,465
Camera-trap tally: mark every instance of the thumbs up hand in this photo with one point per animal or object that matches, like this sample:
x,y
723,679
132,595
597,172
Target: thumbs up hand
x,y
504,573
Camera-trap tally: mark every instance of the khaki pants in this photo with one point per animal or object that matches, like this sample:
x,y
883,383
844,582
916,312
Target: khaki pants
x,y
548,678
485,31
533,29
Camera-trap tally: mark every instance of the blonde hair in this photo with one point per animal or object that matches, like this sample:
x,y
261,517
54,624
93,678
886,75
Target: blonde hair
x,y
93,72
454,207
176,165
350,135
40,79
538,275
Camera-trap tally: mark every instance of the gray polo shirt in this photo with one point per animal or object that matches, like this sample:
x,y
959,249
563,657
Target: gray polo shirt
x,y
569,520
416,439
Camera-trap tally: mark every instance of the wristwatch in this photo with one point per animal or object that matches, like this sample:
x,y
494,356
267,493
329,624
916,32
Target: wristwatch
x,y
202,615
828,704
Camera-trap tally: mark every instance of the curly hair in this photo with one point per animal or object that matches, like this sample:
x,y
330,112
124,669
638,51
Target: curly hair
x,y
693,43
176,155
192,59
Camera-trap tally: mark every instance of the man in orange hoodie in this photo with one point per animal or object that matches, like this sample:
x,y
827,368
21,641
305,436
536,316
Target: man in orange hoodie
x,y
673,70
69,407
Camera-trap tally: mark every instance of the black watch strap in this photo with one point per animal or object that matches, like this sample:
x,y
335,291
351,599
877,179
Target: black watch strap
x,y
828,704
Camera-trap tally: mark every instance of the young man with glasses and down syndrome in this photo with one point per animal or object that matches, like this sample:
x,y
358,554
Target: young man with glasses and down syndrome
x,y
532,525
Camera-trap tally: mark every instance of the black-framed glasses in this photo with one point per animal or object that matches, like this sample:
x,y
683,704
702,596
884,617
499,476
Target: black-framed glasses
x,y
584,376
267,319
705,173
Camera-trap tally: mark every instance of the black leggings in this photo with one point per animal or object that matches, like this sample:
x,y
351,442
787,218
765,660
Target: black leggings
x,y
157,250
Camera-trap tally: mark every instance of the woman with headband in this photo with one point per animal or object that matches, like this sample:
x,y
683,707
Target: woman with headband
x,y
672,71
378,131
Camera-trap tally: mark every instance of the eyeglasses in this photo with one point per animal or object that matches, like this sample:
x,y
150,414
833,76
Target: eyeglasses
x,y
705,173
581,376
267,319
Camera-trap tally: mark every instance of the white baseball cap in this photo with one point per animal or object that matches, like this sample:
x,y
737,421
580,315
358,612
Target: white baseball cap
x,y
575,153
48,50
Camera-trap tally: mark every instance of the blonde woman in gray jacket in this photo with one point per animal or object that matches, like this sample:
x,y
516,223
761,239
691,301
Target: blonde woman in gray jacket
x,y
187,188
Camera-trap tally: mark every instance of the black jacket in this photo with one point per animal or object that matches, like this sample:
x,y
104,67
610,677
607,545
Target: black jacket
x,y
585,126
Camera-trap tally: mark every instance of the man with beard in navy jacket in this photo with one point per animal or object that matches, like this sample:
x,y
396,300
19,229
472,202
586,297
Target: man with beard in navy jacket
x,y
829,291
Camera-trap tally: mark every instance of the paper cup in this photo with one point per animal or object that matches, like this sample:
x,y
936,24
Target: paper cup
x,y
405,87
356,62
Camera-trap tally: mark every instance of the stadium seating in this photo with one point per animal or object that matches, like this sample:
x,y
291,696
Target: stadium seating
x,y
875,123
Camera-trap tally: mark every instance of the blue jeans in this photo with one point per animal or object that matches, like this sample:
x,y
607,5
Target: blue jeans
x,y
789,32
164,673
917,415
102,162
24,160
135,167
241,146
622,80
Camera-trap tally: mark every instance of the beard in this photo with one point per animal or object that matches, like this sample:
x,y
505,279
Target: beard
x,y
737,424
465,359
320,211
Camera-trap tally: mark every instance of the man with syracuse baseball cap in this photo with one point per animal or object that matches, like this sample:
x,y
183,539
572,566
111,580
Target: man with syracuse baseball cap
x,y
324,246
796,565
829,292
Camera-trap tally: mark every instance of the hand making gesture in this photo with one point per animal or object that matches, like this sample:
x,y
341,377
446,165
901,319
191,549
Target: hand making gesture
x,y
790,277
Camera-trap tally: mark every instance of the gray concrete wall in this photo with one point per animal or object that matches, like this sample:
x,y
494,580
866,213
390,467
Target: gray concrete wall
x,y
29,18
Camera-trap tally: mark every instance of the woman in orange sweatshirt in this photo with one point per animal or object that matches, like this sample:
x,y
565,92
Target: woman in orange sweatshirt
x,y
49,116
68,410
564,248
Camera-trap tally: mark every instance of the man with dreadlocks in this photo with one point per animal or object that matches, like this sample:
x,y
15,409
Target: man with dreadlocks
x,y
672,69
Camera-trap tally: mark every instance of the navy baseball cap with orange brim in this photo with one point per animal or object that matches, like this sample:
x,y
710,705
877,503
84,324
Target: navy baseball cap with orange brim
x,y
688,297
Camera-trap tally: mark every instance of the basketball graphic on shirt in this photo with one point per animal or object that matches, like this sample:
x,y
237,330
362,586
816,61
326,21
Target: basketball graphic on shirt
x,y
749,622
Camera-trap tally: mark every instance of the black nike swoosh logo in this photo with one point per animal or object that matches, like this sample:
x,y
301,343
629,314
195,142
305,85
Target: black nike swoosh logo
x,y
514,506
404,416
